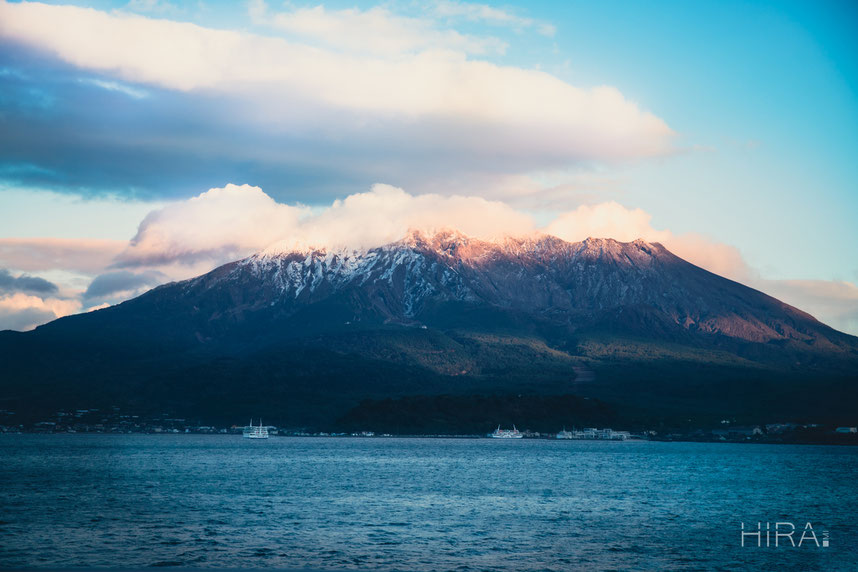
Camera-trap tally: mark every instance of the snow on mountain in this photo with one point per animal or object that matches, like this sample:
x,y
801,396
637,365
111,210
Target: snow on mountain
x,y
637,288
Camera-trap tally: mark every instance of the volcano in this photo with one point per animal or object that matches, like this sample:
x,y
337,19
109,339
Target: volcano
x,y
304,336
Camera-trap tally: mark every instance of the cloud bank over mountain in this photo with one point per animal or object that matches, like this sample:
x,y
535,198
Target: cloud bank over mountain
x,y
234,221
231,222
190,237
219,224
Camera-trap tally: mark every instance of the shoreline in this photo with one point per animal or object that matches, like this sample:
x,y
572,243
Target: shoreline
x,y
838,440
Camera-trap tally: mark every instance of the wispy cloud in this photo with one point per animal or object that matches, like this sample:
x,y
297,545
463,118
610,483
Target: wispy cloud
x,y
834,302
121,284
39,254
375,31
161,7
116,86
491,15
25,283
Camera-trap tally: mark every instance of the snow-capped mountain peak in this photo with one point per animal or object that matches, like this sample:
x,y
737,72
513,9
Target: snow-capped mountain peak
x,y
636,287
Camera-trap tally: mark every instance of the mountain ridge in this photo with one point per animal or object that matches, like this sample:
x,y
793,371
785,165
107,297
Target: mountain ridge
x,y
468,261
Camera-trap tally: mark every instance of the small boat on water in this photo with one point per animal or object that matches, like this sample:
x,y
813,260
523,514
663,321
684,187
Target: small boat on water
x,y
255,431
506,433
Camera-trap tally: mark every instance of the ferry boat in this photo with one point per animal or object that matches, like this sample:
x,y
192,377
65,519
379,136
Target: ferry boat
x,y
255,431
506,433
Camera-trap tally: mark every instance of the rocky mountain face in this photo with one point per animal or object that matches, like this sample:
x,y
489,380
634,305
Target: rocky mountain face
x,y
430,314
634,288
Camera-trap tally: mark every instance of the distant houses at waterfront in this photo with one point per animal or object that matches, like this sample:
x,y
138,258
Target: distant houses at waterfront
x,y
591,433
737,432
113,420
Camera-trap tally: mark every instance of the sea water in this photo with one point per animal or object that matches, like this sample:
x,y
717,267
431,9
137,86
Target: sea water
x,y
422,504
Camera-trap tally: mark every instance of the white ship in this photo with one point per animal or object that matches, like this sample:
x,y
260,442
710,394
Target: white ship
x,y
255,431
506,433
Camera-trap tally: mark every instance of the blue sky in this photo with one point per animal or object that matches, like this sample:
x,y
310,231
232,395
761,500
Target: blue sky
x,y
728,130
771,89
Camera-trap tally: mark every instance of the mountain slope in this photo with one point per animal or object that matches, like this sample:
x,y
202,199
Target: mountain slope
x,y
438,314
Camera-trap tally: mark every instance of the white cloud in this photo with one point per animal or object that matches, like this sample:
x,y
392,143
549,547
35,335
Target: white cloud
x,y
21,311
606,220
219,225
386,214
432,101
722,259
375,31
231,222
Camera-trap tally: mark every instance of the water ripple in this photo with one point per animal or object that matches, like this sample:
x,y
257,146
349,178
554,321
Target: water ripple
x,y
415,504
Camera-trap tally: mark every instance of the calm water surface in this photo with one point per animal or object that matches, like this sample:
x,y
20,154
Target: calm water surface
x,y
417,504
